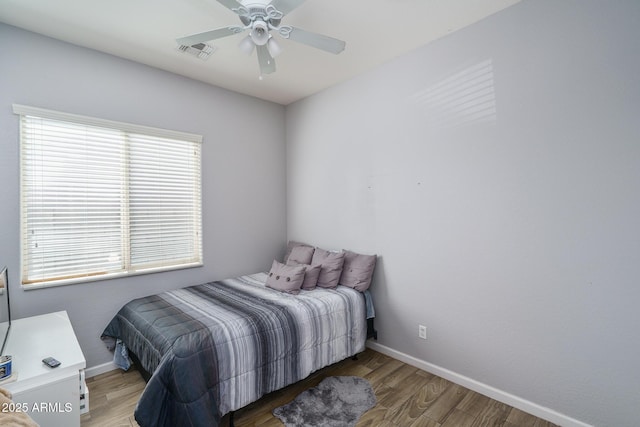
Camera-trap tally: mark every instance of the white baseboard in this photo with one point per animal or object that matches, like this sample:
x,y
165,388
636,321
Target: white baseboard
x,y
100,369
492,392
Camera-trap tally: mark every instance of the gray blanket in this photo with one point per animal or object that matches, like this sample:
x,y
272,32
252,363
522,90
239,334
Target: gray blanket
x,y
217,347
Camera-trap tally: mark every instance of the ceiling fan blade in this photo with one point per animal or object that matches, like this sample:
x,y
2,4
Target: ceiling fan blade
x,y
230,4
285,6
326,43
208,35
267,63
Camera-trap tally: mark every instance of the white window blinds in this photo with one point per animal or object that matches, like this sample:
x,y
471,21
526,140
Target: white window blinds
x,y
103,199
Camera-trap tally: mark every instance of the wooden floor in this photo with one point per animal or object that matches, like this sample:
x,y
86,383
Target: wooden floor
x,y
407,397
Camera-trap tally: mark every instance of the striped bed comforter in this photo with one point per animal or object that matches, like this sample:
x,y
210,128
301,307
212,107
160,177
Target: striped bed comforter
x,y
217,347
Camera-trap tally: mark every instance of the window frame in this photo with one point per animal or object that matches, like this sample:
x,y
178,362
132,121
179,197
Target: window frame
x,y
127,128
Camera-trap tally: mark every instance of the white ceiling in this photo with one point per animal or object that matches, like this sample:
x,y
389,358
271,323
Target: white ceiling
x,y
145,31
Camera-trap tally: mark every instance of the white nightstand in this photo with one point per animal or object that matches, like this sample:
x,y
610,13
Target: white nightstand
x,y
50,395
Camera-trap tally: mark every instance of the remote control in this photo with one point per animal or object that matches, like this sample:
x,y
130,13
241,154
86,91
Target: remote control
x,y
51,362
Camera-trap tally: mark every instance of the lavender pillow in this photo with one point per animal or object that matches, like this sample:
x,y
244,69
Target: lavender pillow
x,y
357,270
286,278
311,277
301,254
292,244
331,267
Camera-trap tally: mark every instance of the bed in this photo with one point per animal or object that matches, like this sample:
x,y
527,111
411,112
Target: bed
x,y
214,348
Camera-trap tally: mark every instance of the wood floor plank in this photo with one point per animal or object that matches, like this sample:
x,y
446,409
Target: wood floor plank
x,y
424,421
473,403
446,402
406,396
458,418
378,374
522,419
395,378
434,388
382,392
494,414
376,360
372,417
418,402
402,393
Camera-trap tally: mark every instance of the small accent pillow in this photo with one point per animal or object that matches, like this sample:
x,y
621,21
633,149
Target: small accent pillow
x,y
331,267
286,278
300,255
292,244
357,270
310,276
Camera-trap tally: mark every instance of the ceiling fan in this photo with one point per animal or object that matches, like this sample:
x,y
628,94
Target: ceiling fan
x,y
260,18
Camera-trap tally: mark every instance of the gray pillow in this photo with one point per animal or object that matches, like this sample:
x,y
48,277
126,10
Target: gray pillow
x,y
286,278
331,267
292,244
300,254
357,270
310,276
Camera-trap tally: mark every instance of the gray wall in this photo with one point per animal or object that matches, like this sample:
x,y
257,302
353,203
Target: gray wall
x,y
506,216
243,176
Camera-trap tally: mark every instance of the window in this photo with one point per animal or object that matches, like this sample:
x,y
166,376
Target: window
x,y
102,199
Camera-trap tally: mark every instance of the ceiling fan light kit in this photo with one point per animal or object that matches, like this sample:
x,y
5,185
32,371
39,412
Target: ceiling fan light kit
x,y
259,33
274,47
260,19
246,45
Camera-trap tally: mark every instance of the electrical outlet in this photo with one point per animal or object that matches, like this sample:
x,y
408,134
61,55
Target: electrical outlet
x,y
422,332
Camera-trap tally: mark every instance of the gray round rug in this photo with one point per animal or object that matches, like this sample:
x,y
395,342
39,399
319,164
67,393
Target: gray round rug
x,y
335,402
